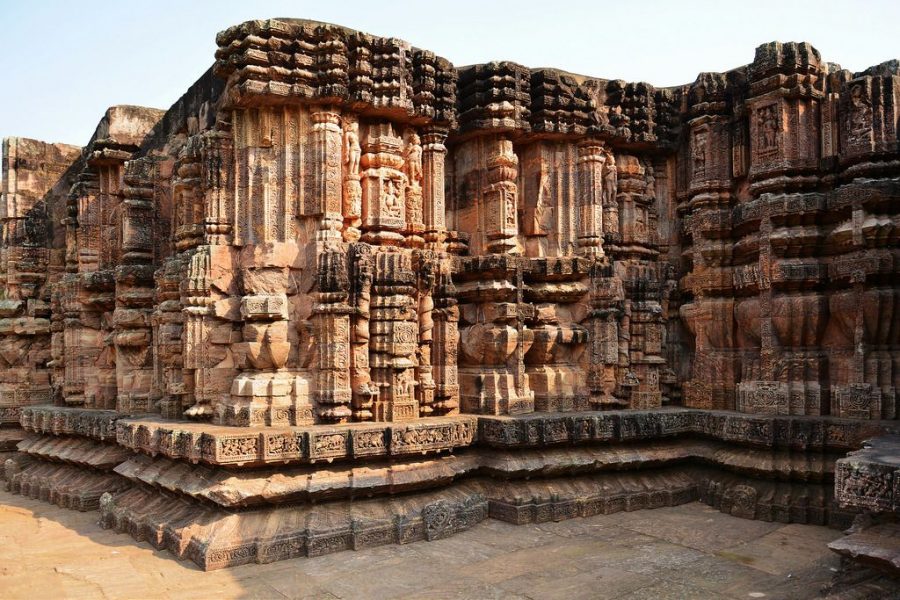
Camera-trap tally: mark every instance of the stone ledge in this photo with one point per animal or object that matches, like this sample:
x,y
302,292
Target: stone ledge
x,y
10,438
180,439
877,546
772,500
278,485
870,478
800,433
206,536
68,486
521,502
223,445
75,450
86,422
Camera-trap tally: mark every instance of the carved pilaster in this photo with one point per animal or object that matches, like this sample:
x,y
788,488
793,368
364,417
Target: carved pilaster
x,y
331,323
195,298
500,199
610,219
365,392
428,269
134,289
327,143
412,168
445,347
591,162
217,183
434,153
189,196
394,342
86,195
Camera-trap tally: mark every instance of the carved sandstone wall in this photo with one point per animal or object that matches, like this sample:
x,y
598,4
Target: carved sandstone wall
x,y
788,197
339,247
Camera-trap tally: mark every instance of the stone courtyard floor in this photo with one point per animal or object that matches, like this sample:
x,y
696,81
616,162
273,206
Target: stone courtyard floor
x,y
689,551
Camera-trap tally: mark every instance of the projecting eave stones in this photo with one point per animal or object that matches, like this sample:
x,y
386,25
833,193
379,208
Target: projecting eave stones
x,y
284,62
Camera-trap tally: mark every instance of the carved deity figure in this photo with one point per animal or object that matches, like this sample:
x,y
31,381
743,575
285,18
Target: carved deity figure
x,y
352,149
391,198
768,126
541,218
413,158
861,112
610,179
698,153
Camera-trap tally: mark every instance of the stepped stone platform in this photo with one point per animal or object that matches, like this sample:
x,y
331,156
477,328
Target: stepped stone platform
x,y
689,551
520,469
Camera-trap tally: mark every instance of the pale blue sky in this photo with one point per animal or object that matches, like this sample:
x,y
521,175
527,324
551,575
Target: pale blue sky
x,y
65,62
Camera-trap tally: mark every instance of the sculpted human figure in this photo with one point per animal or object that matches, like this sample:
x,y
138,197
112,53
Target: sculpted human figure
x,y
352,149
542,213
861,115
413,158
698,152
768,124
391,198
610,178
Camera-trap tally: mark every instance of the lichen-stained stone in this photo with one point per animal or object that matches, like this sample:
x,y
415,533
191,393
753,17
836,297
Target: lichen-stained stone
x,y
341,267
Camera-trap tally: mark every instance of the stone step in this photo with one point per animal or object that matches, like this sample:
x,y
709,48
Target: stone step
x,y
877,546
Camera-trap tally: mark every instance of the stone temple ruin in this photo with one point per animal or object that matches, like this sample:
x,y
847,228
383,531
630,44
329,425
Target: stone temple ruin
x,y
343,293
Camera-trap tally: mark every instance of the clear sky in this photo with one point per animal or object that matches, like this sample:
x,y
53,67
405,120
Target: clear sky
x,y
66,61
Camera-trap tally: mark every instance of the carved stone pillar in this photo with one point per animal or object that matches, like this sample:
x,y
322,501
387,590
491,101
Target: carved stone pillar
x,y
365,392
865,380
167,321
132,335
327,138
783,109
188,204
71,224
434,153
331,323
134,290
394,341
75,361
196,300
494,338
352,153
217,184
710,155
427,268
499,199
591,161
445,347
87,193
553,363
610,219
602,359
412,154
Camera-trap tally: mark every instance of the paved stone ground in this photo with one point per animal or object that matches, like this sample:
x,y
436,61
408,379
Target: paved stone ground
x,y
690,551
